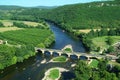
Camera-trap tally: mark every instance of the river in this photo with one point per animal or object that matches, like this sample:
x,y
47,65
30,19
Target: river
x,y
32,69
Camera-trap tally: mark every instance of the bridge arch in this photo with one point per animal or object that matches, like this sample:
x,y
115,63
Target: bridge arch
x,y
74,57
47,53
39,51
82,57
55,54
65,54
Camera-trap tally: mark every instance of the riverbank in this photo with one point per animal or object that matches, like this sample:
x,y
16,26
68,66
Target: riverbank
x,y
47,73
27,38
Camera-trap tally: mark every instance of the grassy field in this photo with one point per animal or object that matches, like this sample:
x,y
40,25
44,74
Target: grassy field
x,y
3,29
101,41
31,23
60,59
54,74
87,30
10,23
7,22
94,63
26,36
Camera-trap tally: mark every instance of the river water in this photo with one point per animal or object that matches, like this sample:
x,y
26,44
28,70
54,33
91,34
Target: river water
x,y
33,69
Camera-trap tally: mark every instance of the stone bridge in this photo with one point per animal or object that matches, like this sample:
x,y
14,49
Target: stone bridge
x,y
76,55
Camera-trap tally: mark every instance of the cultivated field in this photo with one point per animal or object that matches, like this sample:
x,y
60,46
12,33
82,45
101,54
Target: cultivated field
x,y
31,23
3,29
26,36
8,23
87,30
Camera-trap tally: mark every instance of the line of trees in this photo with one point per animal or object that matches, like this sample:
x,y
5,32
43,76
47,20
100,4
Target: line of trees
x,y
23,25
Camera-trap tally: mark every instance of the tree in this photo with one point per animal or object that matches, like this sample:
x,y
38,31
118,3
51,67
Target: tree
x,y
118,60
111,32
109,41
102,65
1,24
41,45
82,71
110,49
98,49
7,56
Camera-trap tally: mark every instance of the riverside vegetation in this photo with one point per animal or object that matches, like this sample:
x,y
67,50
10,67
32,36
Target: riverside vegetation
x,y
20,43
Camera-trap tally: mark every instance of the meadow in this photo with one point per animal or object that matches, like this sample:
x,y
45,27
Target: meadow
x,y
26,36
101,41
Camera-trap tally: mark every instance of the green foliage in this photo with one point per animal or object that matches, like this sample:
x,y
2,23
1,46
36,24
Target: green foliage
x,y
110,49
88,15
41,45
54,74
118,60
82,71
7,56
20,25
109,41
103,38
94,63
60,59
68,49
27,38
102,65
1,24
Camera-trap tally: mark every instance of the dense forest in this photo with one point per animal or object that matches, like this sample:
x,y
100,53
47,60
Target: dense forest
x,y
89,15
76,16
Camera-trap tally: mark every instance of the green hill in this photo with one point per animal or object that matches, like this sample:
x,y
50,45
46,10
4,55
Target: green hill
x,y
76,16
87,15
10,7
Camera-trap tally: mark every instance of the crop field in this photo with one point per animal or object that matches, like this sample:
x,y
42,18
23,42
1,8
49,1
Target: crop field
x,y
26,36
31,23
3,29
88,30
8,23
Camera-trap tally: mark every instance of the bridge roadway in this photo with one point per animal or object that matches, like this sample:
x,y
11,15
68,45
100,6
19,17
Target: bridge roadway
x,y
78,54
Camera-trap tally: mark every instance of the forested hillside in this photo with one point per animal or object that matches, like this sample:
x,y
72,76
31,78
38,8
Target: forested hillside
x,y
89,15
4,7
76,16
